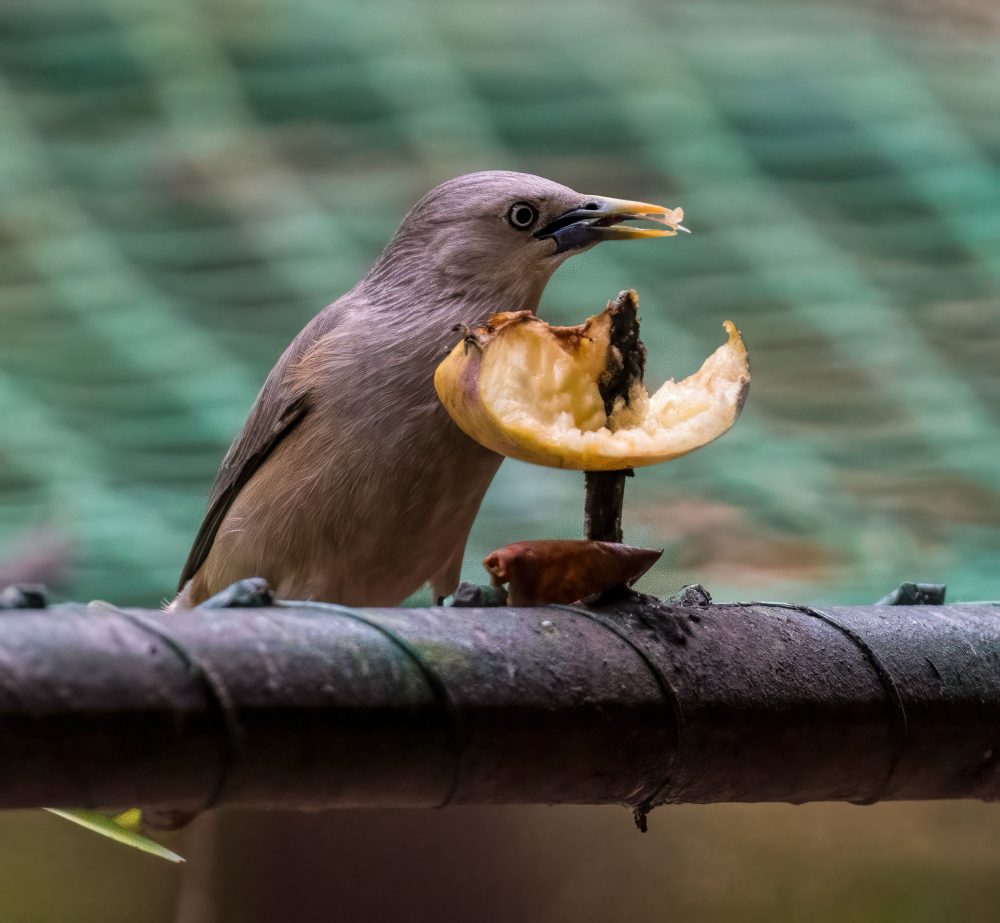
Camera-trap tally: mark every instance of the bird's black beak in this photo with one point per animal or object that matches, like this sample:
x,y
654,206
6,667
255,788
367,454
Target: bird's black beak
x,y
600,219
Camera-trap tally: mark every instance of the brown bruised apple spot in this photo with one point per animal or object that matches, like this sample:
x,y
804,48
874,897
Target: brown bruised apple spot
x,y
741,398
558,571
625,365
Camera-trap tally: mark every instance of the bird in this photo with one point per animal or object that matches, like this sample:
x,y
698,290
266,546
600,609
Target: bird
x,y
348,482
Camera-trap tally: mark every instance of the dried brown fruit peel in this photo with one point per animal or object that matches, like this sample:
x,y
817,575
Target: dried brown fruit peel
x,y
563,571
625,361
531,391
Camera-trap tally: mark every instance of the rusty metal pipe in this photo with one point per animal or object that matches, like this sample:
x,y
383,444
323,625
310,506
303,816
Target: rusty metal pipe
x,y
308,706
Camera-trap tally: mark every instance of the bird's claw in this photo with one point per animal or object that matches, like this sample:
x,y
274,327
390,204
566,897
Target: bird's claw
x,y
690,596
915,594
473,596
24,596
251,593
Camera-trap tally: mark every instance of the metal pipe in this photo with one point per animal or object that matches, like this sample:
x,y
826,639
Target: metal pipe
x,y
308,705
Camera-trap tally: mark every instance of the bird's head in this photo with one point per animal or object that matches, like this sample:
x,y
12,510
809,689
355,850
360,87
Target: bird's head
x,y
496,237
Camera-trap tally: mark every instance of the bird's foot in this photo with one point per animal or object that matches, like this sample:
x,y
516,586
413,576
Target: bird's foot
x,y
690,596
251,593
473,596
915,594
24,596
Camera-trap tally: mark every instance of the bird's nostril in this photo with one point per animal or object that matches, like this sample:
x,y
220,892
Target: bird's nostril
x,y
592,206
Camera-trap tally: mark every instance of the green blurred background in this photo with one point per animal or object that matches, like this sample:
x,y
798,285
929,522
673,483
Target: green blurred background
x,y
184,184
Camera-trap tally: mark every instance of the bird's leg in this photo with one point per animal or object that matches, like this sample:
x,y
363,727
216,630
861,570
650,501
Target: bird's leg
x,y
471,595
251,593
24,596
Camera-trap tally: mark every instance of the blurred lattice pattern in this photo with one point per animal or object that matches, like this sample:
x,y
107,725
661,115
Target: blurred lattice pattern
x,y
185,183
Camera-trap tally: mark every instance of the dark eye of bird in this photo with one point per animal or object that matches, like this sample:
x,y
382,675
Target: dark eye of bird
x,y
522,215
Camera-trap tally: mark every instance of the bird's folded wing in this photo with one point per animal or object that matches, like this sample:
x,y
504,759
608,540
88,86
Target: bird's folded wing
x,y
247,454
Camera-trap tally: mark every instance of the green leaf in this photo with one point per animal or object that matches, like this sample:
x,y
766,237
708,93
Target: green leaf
x,y
130,819
111,828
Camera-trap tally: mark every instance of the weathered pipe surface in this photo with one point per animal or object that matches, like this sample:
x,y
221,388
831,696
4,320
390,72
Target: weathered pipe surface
x,y
312,706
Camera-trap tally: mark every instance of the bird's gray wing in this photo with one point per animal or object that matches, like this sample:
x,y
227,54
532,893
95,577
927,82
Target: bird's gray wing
x,y
279,408
248,453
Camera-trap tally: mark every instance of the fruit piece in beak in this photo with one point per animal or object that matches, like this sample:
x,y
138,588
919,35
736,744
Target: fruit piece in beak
x,y
600,218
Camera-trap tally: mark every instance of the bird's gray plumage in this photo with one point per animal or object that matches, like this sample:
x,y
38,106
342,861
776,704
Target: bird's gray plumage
x,y
348,482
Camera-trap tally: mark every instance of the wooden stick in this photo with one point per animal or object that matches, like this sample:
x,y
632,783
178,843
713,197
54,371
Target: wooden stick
x,y
605,490
602,507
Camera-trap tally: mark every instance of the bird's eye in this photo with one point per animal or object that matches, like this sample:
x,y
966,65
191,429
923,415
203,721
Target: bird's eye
x,y
522,215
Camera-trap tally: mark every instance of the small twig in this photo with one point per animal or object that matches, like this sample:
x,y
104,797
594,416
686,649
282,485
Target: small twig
x,y
602,508
605,490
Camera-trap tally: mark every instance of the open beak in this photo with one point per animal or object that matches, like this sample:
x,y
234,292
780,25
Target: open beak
x,y
601,219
